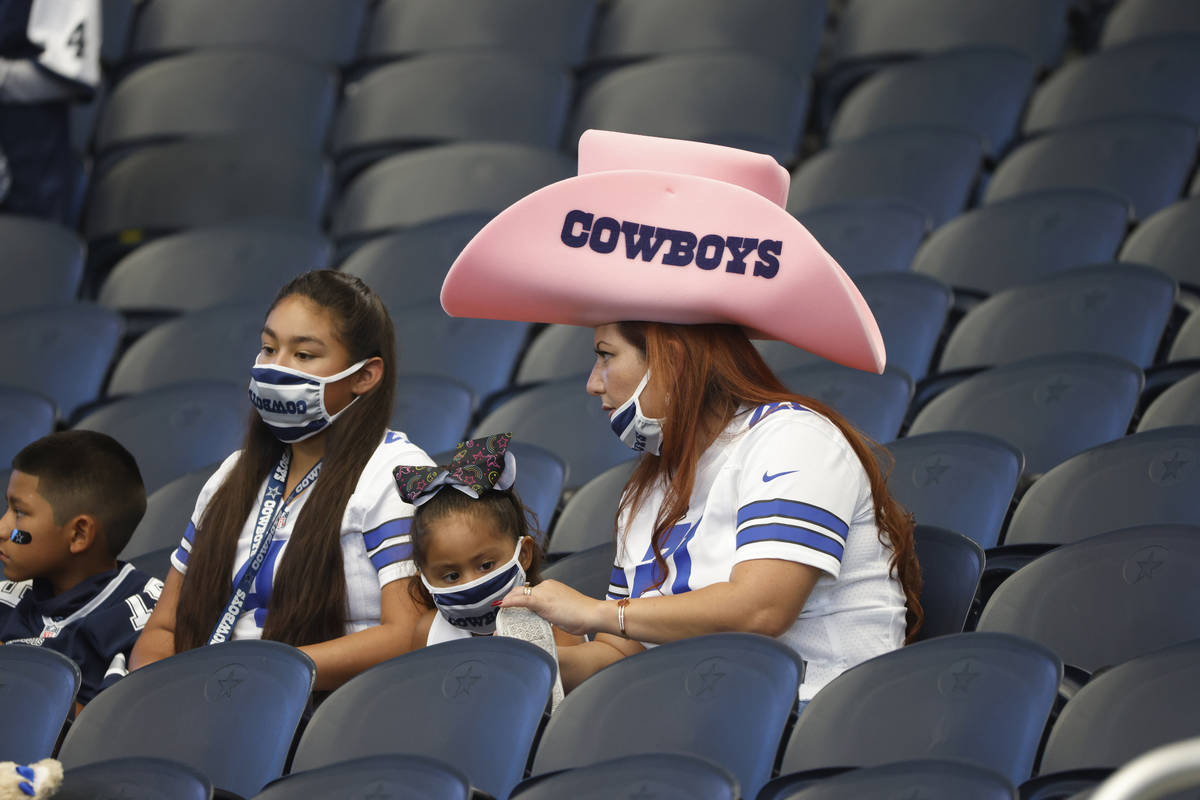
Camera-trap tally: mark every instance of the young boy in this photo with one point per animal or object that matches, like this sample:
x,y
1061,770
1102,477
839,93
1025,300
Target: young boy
x,y
74,499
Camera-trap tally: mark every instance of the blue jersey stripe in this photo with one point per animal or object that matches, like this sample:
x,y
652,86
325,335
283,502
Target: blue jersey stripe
x,y
396,527
618,578
181,555
793,510
190,533
790,534
392,555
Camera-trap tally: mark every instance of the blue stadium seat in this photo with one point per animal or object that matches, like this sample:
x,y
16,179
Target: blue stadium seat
x,y
1178,405
977,698
1015,241
951,565
556,352
1146,160
956,480
168,512
228,710
433,411
724,697
1118,309
1049,407
439,182
60,352
479,702
725,98
587,571
387,777
928,779
42,263
39,689
662,776
868,237
932,169
176,429
1132,20
325,31
785,32
24,417
156,563
135,778
1150,77
979,90
403,28
589,517
874,404
274,97
211,266
1106,599
1169,241
450,97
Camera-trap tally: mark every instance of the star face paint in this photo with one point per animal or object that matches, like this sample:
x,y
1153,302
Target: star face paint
x,y
20,537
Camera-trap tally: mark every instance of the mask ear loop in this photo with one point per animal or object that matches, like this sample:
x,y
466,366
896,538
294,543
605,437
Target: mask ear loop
x,y
339,376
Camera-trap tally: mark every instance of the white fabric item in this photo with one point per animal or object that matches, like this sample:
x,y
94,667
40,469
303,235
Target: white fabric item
x,y
375,525
802,496
440,630
69,33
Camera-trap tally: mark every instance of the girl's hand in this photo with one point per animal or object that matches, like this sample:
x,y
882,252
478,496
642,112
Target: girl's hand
x,y
560,605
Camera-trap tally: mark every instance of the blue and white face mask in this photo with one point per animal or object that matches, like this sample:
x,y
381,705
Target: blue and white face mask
x,y
633,427
469,605
292,403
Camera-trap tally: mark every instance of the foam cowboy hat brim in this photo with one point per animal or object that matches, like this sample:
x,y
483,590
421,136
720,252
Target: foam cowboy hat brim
x,y
664,230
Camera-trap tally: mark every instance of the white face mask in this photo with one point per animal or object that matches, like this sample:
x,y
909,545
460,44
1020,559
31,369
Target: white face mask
x,y
469,605
633,427
291,402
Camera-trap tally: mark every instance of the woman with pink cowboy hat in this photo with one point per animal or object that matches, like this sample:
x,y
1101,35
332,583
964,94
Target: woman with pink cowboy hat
x,y
752,508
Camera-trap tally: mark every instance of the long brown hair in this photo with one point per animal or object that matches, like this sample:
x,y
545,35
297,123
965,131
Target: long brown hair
x,y
308,600
709,372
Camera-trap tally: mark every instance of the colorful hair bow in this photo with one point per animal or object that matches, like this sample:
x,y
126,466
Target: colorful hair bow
x,y
478,465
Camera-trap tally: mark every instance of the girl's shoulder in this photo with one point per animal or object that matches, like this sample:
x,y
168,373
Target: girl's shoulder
x,y
393,450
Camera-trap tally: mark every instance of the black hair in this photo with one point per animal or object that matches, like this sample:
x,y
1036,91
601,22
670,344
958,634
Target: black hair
x,y
85,472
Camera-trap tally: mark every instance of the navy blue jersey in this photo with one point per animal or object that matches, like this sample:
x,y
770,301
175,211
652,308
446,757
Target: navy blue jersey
x,y
94,624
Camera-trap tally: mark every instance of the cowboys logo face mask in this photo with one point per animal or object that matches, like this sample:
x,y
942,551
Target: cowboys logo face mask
x,y
292,403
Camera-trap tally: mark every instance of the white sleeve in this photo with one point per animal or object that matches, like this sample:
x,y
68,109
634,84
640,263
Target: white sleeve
x,y
799,485
68,31
179,559
387,519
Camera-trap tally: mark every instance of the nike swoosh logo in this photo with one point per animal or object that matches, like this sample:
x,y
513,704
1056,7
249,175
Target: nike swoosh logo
x,y
767,477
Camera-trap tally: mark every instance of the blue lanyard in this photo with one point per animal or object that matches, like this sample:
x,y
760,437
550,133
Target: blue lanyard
x,y
260,544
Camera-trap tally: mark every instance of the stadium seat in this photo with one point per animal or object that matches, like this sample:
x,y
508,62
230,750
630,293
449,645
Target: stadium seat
x,y
1150,478
928,779
438,182
325,31
1132,20
1146,160
960,481
176,429
784,32
1178,405
724,697
1106,599
555,352
478,702
228,710
479,353
932,169
868,237
403,28
951,565
24,417
589,517
1049,407
1169,241
42,263
61,352
39,689
450,97
1015,241
205,267
432,411
662,776
979,90
563,418
140,778
257,94
1118,309
726,98
387,777
874,404
1149,77
873,30
1186,345
587,571
406,268
978,698
156,563
168,512
910,310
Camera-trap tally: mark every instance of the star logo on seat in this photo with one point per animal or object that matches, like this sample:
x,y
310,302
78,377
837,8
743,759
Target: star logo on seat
x,y
709,676
228,684
1055,390
934,471
466,681
1172,466
273,492
963,678
1147,567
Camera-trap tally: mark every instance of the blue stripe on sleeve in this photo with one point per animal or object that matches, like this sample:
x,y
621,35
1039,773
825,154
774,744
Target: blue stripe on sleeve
x,y
376,536
790,534
392,555
618,578
795,510
181,555
190,533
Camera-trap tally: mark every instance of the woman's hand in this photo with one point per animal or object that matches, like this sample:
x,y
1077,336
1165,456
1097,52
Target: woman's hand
x,y
560,605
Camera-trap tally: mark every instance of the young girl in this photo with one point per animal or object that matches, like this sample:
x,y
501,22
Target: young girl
x,y
300,536
470,545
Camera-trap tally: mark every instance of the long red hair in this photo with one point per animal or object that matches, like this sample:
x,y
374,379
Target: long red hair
x,y
708,373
